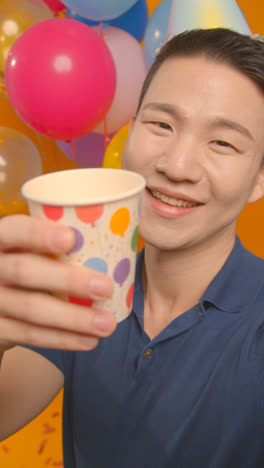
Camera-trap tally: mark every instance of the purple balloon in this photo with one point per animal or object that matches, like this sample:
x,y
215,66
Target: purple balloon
x,y
121,271
89,149
78,241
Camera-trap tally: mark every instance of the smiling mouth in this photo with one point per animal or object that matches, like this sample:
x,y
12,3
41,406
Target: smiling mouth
x,y
172,201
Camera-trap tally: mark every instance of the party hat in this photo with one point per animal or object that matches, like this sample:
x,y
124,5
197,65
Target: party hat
x,y
192,14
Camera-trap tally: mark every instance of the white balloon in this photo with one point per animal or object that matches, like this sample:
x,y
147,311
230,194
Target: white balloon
x,y
131,70
191,14
19,162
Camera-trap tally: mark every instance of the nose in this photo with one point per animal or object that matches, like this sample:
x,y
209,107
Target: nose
x,y
182,160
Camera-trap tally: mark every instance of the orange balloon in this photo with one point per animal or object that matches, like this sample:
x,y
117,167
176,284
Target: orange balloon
x,y
120,221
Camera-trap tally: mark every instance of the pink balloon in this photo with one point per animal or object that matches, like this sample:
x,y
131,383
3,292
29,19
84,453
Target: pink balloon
x,y
131,70
55,5
60,78
89,149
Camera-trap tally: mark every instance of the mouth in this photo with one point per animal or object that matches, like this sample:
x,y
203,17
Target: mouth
x,y
172,201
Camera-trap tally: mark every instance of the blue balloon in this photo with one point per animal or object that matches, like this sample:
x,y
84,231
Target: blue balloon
x,y
96,263
74,15
134,21
156,30
99,10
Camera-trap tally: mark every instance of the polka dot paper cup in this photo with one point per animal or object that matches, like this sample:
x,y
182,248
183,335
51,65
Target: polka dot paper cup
x,y
102,208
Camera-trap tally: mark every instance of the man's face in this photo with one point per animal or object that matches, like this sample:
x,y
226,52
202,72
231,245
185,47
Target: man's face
x,y
198,140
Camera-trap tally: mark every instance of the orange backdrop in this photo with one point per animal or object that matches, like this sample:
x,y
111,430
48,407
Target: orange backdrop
x,y
39,444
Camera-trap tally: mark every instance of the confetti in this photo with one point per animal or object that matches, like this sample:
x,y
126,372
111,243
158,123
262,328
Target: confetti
x,y
42,446
47,461
48,428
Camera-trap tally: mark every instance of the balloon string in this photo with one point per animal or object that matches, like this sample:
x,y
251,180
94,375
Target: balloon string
x,y
73,151
56,158
101,29
105,134
43,154
105,122
3,89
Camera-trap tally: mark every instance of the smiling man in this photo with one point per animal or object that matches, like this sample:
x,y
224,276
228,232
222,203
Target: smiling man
x,y
198,140
180,382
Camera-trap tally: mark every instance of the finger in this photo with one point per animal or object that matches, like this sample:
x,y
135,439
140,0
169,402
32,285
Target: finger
x,y
39,272
34,234
48,311
21,333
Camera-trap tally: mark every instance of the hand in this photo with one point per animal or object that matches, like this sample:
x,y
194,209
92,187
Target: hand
x,y
28,268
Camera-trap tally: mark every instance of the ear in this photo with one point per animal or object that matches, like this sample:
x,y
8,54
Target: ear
x,y
258,190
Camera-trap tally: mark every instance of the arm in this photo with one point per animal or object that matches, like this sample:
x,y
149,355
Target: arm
x,y
28,383
29,316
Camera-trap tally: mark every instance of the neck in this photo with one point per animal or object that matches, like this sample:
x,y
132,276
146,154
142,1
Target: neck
x,y
174,281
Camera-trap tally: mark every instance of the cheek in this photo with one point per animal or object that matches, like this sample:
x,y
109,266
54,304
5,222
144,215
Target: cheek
x,y
129,156
137,152
126,157
234,186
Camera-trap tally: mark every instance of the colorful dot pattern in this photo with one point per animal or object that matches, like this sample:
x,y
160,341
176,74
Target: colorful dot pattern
x,y
105,240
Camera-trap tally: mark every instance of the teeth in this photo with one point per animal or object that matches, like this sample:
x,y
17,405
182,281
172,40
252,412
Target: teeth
x,y
172,201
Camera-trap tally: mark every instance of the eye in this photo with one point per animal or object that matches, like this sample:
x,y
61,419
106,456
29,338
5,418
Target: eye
x,y
224,144
162,125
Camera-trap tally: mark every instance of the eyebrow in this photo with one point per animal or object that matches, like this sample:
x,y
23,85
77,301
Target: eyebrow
x,y
216,122
163,106
220,122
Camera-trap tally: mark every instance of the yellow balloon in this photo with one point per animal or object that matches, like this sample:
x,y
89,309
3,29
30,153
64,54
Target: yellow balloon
x,y
15,17
120,222
114,150
19,161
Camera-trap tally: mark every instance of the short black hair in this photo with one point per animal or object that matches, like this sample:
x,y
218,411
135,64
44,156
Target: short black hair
x,y
243,53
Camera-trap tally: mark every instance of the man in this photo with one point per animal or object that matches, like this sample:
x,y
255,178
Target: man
x,y
180,382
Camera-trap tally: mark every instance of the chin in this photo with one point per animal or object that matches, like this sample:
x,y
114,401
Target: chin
x,y
159,241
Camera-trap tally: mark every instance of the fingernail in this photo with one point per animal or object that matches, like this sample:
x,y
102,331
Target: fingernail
x,y
88,342
100,287
103,322
61,240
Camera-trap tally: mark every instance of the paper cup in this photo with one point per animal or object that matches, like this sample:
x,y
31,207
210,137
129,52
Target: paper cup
x,y
102,208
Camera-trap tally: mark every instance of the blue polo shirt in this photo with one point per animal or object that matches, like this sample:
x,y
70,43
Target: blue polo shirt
x,y
192,397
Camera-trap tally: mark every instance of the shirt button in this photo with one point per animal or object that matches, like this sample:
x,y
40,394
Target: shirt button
x,y
148,353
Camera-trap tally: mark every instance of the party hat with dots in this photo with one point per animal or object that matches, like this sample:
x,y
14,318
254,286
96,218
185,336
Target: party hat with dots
x,y
191,14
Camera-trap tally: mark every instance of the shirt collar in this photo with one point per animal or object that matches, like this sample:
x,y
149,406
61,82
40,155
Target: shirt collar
x,y
236,285
238,282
